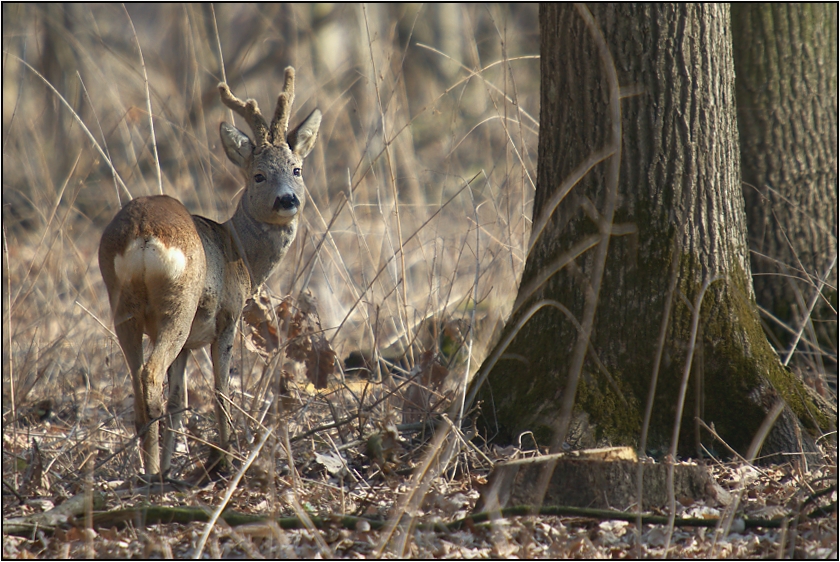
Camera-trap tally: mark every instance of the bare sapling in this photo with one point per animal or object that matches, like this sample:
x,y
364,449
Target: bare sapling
x,y
183,279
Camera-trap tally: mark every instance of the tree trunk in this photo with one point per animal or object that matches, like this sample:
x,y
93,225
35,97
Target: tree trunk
x,y
677,222
786,89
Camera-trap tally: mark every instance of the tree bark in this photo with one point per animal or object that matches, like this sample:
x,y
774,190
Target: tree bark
x,y
786,89
678,223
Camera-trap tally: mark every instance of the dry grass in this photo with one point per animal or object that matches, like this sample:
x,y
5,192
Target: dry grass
x,y
420,196
442,127
421,188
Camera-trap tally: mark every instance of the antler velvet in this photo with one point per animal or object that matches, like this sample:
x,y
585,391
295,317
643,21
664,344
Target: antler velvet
x,y
251,112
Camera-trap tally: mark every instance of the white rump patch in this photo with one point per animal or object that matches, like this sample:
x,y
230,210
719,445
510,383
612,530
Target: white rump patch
x,y
150,259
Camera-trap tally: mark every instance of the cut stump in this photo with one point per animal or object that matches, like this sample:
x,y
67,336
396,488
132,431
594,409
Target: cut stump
x,y
601,478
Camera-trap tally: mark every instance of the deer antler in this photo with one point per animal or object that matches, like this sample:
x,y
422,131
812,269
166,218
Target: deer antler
x,y
251,112
248,110
280,123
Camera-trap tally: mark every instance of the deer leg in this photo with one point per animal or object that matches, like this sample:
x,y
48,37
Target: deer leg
x,y
220,352
172,331
130,335
147,419
174,406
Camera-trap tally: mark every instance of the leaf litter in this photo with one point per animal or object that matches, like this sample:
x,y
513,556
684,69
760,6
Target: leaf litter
x,y
351,446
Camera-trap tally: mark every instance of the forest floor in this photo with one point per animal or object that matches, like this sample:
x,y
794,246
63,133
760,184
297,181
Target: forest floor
x,y
421,189
351,495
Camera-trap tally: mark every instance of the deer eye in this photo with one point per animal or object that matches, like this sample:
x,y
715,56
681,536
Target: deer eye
x,y
296,172
259,178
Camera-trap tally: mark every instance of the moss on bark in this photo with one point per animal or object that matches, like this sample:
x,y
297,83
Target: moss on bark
x,y
679,187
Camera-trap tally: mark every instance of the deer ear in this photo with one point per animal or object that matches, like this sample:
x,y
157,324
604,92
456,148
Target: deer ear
x,y
302,139
238,146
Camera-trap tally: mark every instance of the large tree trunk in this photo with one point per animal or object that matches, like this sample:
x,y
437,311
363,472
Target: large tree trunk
x,y
786,89
679,222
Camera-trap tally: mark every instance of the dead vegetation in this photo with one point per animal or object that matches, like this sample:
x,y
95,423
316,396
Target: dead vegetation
x,y
350,369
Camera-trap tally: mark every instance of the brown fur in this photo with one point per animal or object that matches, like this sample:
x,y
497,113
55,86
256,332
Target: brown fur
x,y
183,279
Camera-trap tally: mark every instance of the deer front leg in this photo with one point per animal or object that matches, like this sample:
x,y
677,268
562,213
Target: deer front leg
x,y
221,351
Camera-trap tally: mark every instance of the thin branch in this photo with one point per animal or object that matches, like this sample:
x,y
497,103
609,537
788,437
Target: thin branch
x,y
231,488
78,119
148,102
811,306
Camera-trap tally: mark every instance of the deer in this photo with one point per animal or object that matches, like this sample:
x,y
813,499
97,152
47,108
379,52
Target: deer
x,y
183,279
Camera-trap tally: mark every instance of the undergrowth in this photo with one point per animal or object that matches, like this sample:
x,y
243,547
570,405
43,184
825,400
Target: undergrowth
x,y
413,240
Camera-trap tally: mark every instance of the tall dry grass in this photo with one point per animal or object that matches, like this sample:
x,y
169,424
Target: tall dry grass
x,y
420,187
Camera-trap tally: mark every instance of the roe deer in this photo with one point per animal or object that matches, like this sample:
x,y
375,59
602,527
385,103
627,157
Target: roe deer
x,y
183,279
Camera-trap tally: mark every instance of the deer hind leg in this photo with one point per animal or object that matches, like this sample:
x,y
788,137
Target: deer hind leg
x,y
174,406
130,334
150,413
169,333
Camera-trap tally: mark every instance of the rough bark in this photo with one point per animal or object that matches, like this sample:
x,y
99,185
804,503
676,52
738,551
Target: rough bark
x,y
786,90
678,223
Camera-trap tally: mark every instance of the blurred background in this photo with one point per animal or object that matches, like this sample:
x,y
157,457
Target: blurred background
x,y
420,185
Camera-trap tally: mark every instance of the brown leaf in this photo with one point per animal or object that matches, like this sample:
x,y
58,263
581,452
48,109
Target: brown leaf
x,y
75,534
383,447
307,343
34,475
261,334
299,329
424,388
320,362
432,373
284,309
36,413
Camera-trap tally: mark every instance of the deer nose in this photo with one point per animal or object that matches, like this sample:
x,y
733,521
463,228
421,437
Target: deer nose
x,y
286,202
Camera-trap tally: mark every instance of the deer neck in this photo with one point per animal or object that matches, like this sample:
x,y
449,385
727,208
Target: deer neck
x,y
261,245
